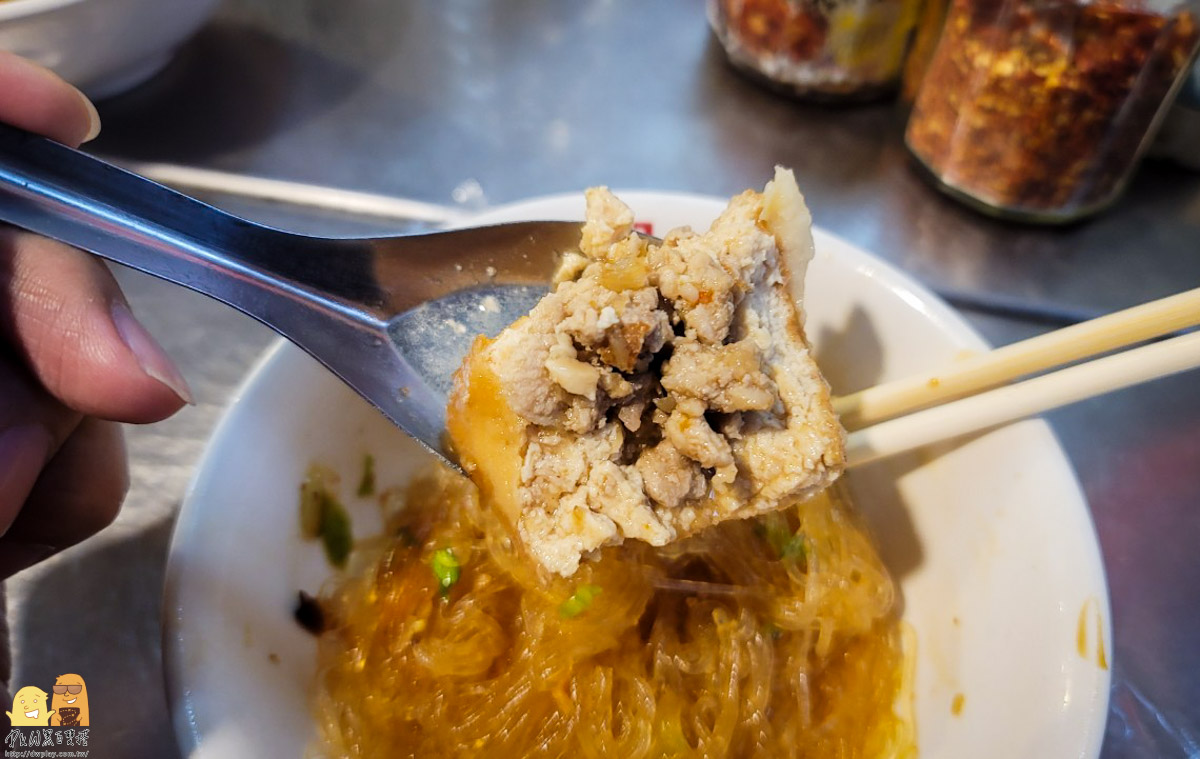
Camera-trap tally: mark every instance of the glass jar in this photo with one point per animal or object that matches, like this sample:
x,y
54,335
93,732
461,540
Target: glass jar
x,y
1040,110
925,39
1179,138
818,49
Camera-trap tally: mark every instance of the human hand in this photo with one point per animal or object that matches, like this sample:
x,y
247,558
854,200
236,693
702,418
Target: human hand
x,y
73,359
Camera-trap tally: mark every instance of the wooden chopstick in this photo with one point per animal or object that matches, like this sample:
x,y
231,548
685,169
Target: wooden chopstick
x,y
1022,399
296,193
996,367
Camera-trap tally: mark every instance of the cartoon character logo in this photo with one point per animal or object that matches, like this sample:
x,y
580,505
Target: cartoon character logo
x,y
70,702
30,707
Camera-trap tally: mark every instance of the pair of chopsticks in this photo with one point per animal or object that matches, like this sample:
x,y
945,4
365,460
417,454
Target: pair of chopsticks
x,y
896,416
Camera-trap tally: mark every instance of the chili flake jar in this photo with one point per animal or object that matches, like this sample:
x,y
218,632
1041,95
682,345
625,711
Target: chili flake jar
x,y
1040,110
818,49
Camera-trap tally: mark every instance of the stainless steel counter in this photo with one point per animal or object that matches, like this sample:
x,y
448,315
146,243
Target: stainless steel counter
x,y
474,103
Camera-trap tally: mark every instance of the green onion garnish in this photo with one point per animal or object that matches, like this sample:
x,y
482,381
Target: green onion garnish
x,y
366,484
445,568
787,545
795,549
579,601
335,530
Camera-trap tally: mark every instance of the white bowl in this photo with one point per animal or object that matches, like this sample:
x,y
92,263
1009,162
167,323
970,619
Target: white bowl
x,y
990,539
101,46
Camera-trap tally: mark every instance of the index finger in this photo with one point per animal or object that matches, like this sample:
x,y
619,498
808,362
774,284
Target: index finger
x,y
36,99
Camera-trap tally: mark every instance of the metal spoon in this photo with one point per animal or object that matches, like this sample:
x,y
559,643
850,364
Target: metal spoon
x,y
391,316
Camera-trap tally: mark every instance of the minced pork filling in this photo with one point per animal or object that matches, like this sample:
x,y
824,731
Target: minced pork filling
x,y
663,387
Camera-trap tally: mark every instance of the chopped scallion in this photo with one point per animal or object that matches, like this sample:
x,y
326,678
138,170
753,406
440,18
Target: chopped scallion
x,y
335,531
579,601
795,549
322,516
366,484
445,568
787,545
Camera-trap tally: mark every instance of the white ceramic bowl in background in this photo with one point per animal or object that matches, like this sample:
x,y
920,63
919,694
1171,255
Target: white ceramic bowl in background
x,y
102,47
990,539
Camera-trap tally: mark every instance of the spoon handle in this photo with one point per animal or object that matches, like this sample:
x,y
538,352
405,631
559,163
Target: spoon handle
x,y
322,294
72,197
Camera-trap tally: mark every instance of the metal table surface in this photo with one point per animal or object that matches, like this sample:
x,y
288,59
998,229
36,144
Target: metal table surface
x,y
473,103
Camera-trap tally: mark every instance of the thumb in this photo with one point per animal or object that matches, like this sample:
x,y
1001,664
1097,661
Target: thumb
x,y
66,316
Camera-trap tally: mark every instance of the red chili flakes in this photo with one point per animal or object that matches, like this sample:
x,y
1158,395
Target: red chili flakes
x,y
1043,108
778,26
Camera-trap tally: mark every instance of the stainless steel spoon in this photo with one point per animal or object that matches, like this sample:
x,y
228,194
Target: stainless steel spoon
x,y
391,316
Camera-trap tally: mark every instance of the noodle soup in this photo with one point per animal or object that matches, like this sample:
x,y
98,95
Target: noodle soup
x,y
775,636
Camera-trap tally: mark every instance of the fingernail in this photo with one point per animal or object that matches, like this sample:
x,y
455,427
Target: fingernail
x,y
150,355
93,118
24,450
16,556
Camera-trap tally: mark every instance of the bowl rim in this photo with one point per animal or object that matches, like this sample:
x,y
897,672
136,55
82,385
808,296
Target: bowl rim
x,y
15,9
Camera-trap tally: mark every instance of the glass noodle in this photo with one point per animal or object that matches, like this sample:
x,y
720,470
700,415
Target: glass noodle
x,y
768,637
